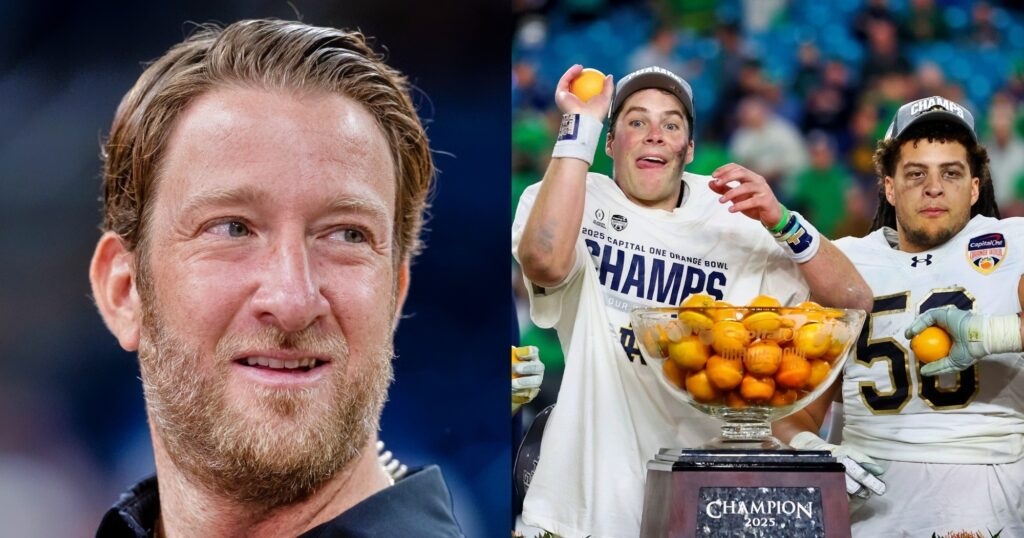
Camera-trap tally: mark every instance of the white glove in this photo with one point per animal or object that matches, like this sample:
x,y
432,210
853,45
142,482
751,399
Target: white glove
x,y
861,470
527,375
974,336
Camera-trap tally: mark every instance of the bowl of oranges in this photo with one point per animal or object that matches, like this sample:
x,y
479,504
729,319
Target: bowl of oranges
x,y
747,365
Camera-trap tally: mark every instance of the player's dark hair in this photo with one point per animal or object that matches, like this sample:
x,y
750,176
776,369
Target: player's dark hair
x,y
887,154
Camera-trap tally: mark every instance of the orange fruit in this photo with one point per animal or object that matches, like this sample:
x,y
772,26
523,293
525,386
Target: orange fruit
x,y
692,311
794,370
698,300
689,353
674,374
730,338
757,389
724,374
931,345
819,371
765,301
696,321
806,312
782,397
782,335
723,310
762,323
587,84
835,348
763,358
734,400
699,387
813,340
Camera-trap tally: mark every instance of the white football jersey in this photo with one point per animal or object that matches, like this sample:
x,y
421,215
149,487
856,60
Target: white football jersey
x,y
890,410
612,414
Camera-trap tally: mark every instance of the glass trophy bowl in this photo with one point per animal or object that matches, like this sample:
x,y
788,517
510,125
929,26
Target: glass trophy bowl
x,y
746,365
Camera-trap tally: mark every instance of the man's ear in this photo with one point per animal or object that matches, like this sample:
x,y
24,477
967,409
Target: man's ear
x,y
112,276
889,195
608,143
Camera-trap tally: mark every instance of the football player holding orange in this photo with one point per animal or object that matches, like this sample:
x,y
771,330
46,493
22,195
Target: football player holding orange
x,y
948,435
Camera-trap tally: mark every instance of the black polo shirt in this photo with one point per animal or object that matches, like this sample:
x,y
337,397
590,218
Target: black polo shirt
x,y
417,505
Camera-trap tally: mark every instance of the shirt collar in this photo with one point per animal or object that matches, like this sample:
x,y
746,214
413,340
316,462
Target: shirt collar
x,y
418,504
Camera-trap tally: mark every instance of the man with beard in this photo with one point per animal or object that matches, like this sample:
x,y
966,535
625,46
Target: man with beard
x,y
945,432
264,186
593,248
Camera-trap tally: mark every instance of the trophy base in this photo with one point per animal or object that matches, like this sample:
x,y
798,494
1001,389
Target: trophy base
x,y
728,492
731,443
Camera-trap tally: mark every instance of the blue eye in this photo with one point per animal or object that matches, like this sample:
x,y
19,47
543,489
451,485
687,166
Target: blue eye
x,y
237,229
233,228
352,235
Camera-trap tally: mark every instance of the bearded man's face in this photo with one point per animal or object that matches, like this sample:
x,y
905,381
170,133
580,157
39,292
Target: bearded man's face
x,y
269,290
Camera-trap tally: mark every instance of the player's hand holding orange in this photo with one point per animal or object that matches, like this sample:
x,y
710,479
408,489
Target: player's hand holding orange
x,y
527,375
596,107
974,336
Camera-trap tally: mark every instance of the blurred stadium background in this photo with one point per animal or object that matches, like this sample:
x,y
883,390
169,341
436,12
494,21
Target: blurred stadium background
x,y
72,426
797,90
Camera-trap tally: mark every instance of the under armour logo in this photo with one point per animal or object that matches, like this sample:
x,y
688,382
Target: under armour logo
x,y
927,260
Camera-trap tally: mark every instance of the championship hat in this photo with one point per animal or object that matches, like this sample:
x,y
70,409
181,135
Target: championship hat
x,y
653,77
927,110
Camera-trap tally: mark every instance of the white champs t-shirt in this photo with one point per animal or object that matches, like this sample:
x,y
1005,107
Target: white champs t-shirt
x,y
612,414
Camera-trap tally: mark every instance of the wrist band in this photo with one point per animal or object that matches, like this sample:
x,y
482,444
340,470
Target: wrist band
x,y
578,136
798,239
782,222
1002,334
785,228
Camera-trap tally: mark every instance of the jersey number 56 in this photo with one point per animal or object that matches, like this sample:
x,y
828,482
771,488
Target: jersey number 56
x,y
871,350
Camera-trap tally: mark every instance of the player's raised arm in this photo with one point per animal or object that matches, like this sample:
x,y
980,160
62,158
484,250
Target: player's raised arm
x,y
832,279
547,248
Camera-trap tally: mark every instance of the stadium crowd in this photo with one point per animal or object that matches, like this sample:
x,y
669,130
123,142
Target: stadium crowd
x,y
799,91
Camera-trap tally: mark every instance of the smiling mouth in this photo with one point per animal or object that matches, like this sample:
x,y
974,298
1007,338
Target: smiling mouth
x,y
295,365
650,162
